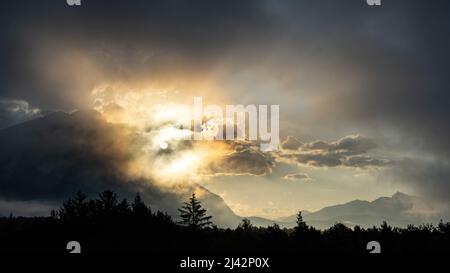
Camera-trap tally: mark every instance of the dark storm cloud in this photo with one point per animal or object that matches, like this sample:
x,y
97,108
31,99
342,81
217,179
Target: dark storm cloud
x,y
119,36
364,161
348,145
297,176
404,73
400,48
246,159
349,151
428,176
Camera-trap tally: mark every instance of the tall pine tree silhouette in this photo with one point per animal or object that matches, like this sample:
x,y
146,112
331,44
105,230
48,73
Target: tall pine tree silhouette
x,y
301,225
193,215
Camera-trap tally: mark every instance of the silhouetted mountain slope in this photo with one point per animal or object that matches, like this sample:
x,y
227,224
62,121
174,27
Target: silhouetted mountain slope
x,y
52,157
398,210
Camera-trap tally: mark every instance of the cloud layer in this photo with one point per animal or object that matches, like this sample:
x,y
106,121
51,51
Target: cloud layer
x,y
16,111
349,151
297,176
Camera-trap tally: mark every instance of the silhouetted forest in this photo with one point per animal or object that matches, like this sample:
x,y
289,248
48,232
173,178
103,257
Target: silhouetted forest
x,y
109,224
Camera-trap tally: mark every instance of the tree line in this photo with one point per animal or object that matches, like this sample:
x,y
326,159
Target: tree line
x,y
110,224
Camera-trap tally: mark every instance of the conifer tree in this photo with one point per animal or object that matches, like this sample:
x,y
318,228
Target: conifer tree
x,y
193,215
301,225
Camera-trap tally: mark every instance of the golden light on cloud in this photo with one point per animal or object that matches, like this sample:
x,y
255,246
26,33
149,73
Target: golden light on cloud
x,y
165,155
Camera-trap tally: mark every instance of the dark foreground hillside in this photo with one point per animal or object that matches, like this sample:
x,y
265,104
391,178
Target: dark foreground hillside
x,y
108,224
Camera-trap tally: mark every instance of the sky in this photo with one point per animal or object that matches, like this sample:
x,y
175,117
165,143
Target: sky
x,y
362,90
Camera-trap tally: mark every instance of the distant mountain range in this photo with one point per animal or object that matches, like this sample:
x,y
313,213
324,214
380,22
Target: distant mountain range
x,y
399,210
46,160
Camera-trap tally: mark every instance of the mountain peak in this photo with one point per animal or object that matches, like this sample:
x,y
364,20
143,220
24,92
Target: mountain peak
x,y
399,195
87,113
